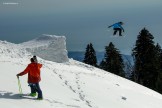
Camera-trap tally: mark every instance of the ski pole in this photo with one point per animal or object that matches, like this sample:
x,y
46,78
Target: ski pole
x,y
19,84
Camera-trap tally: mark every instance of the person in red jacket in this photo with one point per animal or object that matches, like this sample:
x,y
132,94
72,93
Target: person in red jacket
x,y
33,70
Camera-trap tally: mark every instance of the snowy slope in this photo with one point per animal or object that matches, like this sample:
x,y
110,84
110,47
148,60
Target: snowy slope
x,y
69,85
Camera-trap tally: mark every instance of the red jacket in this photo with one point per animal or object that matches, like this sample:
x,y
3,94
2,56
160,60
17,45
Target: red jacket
x,y
33,70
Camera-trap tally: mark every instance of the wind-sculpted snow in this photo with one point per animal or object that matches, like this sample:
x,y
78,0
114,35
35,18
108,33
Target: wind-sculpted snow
x,y
48,47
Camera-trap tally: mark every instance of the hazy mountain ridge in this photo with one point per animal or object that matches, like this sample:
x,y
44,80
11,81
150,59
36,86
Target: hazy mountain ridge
x,y
79,55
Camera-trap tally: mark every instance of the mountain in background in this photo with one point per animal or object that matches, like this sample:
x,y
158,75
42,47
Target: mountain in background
x,y
79,56
66,84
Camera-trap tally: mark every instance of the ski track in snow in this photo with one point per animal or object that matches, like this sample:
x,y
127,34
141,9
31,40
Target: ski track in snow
x,y
52,102
77,91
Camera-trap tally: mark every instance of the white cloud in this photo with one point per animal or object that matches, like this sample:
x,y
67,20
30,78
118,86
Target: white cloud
x,y
10,3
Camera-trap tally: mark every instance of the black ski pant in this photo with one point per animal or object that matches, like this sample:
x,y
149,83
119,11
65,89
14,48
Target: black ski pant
x,y
118,29
36,88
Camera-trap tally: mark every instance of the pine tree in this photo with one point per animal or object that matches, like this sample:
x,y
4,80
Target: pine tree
x,y
144,53
90,56
159,76
112,61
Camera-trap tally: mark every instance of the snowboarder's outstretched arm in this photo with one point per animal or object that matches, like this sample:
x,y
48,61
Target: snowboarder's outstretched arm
x,y
110,26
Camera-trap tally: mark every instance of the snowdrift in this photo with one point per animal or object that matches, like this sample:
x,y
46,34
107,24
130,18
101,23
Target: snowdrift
x,y
70,84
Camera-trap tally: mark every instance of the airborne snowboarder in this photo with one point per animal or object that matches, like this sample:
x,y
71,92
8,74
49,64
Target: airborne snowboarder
x,y
117,27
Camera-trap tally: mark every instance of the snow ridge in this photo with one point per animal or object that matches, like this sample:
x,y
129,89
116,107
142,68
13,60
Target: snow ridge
x,y
11,50
48,47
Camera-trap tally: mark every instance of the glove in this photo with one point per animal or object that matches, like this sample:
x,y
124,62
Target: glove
x,y
17,75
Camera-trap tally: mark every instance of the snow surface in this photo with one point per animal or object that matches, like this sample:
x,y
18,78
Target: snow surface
x,y
70,84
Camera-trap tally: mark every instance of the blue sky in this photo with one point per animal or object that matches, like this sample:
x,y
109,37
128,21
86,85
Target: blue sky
x,y
81,21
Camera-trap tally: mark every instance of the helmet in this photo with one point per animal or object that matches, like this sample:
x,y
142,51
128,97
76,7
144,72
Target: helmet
x,y
121,23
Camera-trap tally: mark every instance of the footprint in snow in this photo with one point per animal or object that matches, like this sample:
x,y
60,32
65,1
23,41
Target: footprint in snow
x,y
117,84
124,98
